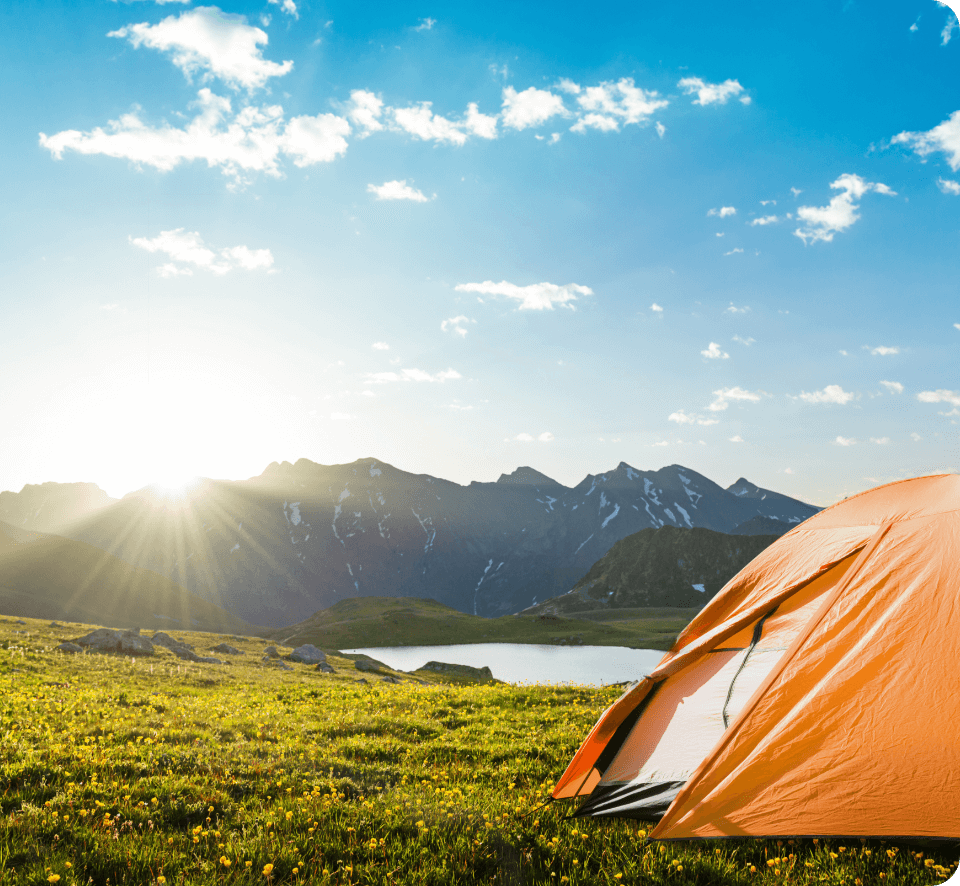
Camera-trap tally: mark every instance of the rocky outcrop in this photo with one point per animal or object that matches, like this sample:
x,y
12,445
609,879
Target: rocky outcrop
x,y
71,648
109,640
307,654
227,649
458,670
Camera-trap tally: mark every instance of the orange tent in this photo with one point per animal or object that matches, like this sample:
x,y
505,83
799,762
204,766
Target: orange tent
x,y
818,694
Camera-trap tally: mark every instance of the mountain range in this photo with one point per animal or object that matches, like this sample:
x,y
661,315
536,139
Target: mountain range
x,y
300,537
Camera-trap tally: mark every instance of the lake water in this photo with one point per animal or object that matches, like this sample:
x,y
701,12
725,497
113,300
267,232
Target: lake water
x,y
529,663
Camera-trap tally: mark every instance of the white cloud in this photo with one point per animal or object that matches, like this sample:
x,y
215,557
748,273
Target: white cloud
x,y
320,139
425,24
607,106
880,441
722,398
482,125
949,186
788,470
941,395
380,346
744,341
661,129
712,93
915,437
893,387
420,121
187,248
830,394
956,325
765,220
417,375
564,84
364,111
397,190
681,418
948,28
733,309
211,43
882,350
661,443
845,441
535,297
658,310
796,192
713,352
524,438
736,439
251,140
723,211
545,437
456,325
822,222
945,138
531,107
735,251
288,6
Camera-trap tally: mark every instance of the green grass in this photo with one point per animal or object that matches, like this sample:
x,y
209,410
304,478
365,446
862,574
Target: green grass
x,y
407,621
154,771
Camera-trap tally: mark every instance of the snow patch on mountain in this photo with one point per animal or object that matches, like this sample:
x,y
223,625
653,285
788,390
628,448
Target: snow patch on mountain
x,y
616,510
686,516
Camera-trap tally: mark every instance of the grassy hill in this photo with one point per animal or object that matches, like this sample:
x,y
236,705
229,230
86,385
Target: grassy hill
x,y
46,576
653,568
155,771
406,621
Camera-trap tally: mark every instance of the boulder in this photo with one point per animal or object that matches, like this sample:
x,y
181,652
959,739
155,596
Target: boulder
x,y
69,647
458,670
271,652
307,654
369,665
163,639
391,679
108,640
325,667
227,649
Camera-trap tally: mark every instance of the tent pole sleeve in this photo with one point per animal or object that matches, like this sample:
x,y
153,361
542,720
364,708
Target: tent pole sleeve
x,y
730,734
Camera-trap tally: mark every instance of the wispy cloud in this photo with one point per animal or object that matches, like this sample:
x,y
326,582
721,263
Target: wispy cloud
x,y
415,375
882,350
722,398
659,310
186,249
880,441
845,441
735,251
944,138
397,190
713,93
713,352
764,220
733,309
893,387
723,211
252,140
380,346
211,43
830,394
545,437
736,438
288,6
426,24
822,222
949,186
744,341
684,418
456,325
535,297
941,395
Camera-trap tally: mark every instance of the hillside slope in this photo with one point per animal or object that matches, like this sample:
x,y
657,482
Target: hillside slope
x,y
658,567
59,578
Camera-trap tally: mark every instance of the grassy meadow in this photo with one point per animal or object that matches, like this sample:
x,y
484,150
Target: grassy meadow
x,y
155,771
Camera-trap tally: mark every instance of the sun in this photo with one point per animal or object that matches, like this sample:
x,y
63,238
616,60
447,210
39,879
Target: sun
x,y
172,482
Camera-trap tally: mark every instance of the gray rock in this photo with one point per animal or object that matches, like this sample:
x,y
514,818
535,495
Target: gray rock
x,y
53,624
391,679
307,654
283,666
458,670
271,652
69,647
226,649
370,665
163,639
325,667
108,640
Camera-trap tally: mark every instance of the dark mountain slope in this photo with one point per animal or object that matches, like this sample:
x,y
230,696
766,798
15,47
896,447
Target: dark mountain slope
x,y
48,507
659,567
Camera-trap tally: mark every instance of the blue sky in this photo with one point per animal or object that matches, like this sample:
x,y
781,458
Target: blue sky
x,y
465,238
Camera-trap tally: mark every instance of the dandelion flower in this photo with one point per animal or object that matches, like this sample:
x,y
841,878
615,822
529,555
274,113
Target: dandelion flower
x,y
267,870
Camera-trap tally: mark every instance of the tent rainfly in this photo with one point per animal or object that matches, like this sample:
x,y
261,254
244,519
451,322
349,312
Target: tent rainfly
x,y
818,694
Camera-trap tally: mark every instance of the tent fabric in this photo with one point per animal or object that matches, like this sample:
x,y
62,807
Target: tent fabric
x,y
816,695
